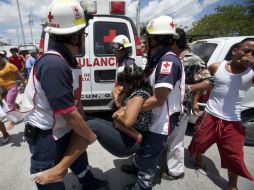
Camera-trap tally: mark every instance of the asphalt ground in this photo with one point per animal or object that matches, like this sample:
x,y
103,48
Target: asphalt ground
x,y
15,162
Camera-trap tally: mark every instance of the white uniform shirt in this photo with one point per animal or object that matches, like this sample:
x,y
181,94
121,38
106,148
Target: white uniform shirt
x,y
36,106
168,73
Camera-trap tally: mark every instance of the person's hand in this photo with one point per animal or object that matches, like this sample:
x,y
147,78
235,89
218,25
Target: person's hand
x,y
118,113
195,109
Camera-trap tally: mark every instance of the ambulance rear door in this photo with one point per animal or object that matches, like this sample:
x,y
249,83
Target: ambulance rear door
x,y
101,62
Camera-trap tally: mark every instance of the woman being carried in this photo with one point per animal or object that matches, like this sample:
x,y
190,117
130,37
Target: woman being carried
x,y
123,136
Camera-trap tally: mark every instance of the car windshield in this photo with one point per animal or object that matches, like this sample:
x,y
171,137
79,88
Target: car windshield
x,y
203,49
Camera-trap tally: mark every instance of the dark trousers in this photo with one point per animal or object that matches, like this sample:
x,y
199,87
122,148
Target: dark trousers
x,y
114,141
46,152
147,157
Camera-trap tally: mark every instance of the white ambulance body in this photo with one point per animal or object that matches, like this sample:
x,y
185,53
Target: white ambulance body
x,y
99,64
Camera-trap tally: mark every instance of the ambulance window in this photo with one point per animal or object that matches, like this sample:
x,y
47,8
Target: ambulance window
x,y
104,33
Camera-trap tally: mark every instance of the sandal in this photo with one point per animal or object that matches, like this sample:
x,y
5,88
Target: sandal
x,y
166,176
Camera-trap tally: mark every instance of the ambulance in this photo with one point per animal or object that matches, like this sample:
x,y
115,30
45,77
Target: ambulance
x,y
99,64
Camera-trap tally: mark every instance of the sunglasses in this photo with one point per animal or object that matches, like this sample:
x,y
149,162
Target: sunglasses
x,y
117,46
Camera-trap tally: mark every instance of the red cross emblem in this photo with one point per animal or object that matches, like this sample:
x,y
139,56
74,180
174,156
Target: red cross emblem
x,y
172,24
166,65
50,17
110,37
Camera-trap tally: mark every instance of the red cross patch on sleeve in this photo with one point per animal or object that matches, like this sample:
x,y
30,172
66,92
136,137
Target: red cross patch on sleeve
x,y
166,67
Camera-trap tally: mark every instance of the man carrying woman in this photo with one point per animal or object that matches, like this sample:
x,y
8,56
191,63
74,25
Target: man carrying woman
x,y
124,135
167,78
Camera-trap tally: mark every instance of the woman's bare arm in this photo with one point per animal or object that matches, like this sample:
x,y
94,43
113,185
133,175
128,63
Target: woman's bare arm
x,y
129,116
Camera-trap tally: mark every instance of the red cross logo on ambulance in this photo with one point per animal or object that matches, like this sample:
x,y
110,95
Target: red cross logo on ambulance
x,y
166,67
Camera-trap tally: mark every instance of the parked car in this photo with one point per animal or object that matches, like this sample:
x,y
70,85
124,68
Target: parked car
x,y
216,50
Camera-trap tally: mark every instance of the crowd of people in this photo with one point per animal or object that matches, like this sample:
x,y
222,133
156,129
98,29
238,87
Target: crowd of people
x,y
152,105
13,76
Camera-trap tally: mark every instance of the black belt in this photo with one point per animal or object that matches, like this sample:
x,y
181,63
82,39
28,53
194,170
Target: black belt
x,y
37,128
31,131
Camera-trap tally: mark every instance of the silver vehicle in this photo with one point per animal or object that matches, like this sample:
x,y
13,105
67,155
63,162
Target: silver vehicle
x,y
216,50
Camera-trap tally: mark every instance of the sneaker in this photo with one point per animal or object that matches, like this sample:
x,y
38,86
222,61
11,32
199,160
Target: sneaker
x,y
96,184
167,176
5,140
129,169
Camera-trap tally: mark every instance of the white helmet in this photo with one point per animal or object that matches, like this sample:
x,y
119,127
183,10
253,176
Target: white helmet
x,y
65,17
162,25
120,42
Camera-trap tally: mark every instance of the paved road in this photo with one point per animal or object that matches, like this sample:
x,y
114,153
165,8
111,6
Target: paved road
x,y
14,168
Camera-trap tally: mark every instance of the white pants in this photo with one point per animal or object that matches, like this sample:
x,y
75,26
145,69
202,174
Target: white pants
x,y
175,147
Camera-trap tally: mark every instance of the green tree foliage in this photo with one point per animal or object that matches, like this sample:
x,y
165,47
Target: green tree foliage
x,y
229,20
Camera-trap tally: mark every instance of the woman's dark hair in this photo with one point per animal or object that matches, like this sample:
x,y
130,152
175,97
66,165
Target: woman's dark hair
x,y
134,78
181,41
